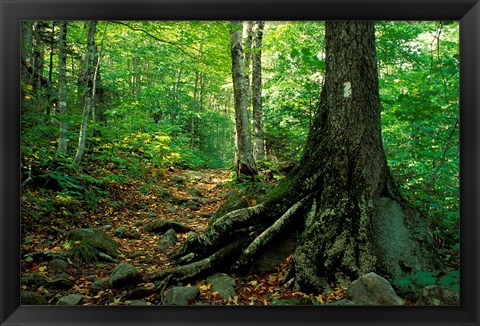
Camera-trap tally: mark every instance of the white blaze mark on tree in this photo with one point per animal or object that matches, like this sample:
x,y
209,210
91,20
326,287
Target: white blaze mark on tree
x,y
347,89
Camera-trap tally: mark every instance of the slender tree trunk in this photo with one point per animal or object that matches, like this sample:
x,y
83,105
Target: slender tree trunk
x,y
90,76
258,142
245,164
52,46
27,49
38,55
340,198
138,76
62,86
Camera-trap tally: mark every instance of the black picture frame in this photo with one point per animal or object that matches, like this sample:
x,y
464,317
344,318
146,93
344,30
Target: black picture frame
x,y
13,11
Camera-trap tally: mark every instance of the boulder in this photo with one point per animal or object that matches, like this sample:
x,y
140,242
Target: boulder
x,y
123,274
168,240
57,265
437,295
275,252
95,239
403,240
162,226
194,175
178,179
123,233
180,295
372,289
31,298
120,232
70,300
60,284
223,284
34,279
96,286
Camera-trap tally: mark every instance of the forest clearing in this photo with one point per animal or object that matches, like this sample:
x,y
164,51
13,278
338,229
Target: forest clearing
x,y
240,163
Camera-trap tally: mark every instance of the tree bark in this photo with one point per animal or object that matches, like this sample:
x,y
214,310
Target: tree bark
x,y
244,163
340,198
90,75
248,25
38,54
258,142
27,43
62,86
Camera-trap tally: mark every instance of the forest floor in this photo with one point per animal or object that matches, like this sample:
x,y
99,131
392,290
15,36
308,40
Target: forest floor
x,y
185,196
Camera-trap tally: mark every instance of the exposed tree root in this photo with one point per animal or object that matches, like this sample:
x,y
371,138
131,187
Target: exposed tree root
x,y
266,236
195,269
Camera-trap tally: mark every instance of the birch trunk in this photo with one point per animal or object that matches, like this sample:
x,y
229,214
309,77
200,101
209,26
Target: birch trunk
x,y
245,164
258,142
90,76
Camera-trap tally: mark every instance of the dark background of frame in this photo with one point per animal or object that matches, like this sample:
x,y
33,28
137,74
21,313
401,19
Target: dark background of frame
x,y
13,11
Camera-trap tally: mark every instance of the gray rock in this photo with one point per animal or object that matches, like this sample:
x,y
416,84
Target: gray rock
x,y
34,279
60,284
70,300
123,274
133,234
168,240
223,284
96,286
403,240
437,295
194,175
178,179
57,265
162,226
180,295
31,298
95,239
372,289
120,232
275,252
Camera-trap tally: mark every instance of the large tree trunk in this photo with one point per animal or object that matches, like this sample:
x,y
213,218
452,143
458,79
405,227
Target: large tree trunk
x,y
340,198
244,162
258,143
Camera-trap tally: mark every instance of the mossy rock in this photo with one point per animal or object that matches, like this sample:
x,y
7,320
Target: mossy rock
x,y
162,226
31,298
94,240
253,194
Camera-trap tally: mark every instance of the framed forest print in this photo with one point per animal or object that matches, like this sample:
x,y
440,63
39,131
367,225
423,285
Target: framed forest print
x,y
204,162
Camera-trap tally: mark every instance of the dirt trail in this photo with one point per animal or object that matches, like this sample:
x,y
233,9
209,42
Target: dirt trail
x,y
184,196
